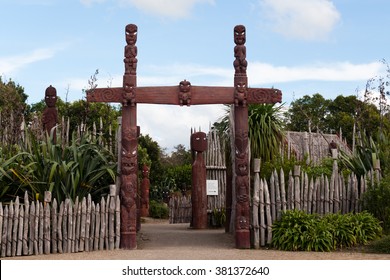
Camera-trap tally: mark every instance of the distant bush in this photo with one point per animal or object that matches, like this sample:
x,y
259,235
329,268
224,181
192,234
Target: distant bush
x,y
299,231
380,246
376,201
158,210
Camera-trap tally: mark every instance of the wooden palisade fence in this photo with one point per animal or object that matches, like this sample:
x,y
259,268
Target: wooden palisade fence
x,y
35,228
319,195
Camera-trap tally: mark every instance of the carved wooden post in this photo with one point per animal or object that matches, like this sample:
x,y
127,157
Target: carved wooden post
x,y
50,115
198,194
129,166
241,140
145,186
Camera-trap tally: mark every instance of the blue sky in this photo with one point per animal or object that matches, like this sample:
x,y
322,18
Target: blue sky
x,y
299,46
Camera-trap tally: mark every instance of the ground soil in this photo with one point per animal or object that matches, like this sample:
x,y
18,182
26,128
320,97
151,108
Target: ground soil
x,y
159,240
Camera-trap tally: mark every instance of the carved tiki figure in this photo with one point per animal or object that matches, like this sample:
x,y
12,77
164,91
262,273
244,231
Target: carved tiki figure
x,y
145,186
199,196
131,49
50,115
240,62
185,93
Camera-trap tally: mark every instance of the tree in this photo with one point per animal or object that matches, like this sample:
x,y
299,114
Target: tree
x,y
308,113
12,109
266,131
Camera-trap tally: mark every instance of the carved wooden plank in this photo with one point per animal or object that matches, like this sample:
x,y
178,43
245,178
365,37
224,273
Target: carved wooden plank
x,y
297,187
4,234
26,222
283,190
111,224
262,213
290,192
60,227
15,227
10,227
268,212
20,232
88,223
66,228
272,197
83,224
315,191
97,228
102,224
305,184
41,223
93,224
117,222
76,224
277,194
310,196
54,227
46,229
106,221
327,195
31,225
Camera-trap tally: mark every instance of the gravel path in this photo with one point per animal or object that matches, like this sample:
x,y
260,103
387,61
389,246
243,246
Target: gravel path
x,y
163,241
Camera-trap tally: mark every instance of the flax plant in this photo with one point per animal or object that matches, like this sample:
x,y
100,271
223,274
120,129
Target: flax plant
x,y
67,170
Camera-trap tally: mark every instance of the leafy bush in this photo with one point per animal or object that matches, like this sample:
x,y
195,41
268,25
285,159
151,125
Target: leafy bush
x,y
376,201
380,246
298,231
158,210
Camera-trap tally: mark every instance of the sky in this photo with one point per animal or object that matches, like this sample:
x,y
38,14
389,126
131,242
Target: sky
x,y
301,47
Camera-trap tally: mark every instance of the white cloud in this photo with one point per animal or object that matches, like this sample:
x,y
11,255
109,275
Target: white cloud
x,y
259,73
11,64
302,19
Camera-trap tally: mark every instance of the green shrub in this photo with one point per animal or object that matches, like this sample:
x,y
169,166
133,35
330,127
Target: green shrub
x,y
380,246
158,210
298,231
376,201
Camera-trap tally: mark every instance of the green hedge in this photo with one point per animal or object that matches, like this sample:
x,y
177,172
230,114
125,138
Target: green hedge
x,y
158,210
299,231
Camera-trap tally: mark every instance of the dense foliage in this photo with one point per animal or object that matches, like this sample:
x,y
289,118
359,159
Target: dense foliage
x,y
299,231
67,171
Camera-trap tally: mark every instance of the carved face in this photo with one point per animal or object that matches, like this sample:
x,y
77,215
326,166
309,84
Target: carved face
x,y
185,86
129,162
239,35
199,142
145,171
131,34
50,96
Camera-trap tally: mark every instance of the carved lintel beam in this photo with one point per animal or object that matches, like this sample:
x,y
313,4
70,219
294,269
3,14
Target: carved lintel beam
x,y
200,95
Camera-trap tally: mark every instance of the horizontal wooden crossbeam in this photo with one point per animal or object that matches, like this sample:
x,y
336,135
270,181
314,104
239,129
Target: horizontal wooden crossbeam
x,y
200,95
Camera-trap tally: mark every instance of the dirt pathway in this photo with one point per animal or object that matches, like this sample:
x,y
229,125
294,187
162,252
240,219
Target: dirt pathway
x,y
163,241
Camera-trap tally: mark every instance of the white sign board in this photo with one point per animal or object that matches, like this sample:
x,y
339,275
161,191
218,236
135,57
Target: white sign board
x,y
212,187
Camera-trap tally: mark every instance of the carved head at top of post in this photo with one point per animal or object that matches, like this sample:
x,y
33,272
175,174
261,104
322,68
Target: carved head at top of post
x,y
239,35
131,34
199,142
145,171
50,97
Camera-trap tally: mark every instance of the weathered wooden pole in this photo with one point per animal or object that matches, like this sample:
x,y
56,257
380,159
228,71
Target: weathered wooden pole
x,y
198,194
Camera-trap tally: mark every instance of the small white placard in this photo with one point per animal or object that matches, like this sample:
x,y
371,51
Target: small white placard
x,y
212,187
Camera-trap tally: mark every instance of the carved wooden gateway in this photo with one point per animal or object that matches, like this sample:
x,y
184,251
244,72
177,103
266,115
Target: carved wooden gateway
x,y
183,94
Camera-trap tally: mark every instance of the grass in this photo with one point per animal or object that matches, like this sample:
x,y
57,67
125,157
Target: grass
x,y
380,246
